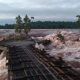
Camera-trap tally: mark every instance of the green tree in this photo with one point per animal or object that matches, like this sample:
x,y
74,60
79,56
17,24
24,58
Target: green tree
x,y
78,21
26,24
18,24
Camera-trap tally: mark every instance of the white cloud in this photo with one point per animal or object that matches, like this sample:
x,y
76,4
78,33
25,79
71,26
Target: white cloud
x,y
57,9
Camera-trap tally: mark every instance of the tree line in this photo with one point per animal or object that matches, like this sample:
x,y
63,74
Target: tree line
x,y
45,25
27,24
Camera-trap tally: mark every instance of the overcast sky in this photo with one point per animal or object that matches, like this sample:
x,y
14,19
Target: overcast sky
x,y
60,10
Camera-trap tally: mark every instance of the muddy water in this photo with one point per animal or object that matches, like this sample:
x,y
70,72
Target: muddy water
x,y
36,31
69,51
3,67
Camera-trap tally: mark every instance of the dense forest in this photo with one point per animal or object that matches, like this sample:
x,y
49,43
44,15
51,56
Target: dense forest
x,y
45,25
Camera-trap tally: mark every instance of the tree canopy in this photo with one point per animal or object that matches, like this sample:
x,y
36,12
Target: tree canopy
x,y
26,24
19,23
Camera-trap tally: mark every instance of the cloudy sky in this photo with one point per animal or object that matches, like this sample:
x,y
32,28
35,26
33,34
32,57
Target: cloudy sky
x,y
57,10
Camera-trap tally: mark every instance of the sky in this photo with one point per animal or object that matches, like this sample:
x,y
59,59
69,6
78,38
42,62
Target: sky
x,y
49,10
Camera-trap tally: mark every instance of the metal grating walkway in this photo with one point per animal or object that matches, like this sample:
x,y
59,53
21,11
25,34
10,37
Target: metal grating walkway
x,y
23,66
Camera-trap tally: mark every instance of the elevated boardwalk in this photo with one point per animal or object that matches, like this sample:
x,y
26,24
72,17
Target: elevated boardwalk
x,y
26,63
23,66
